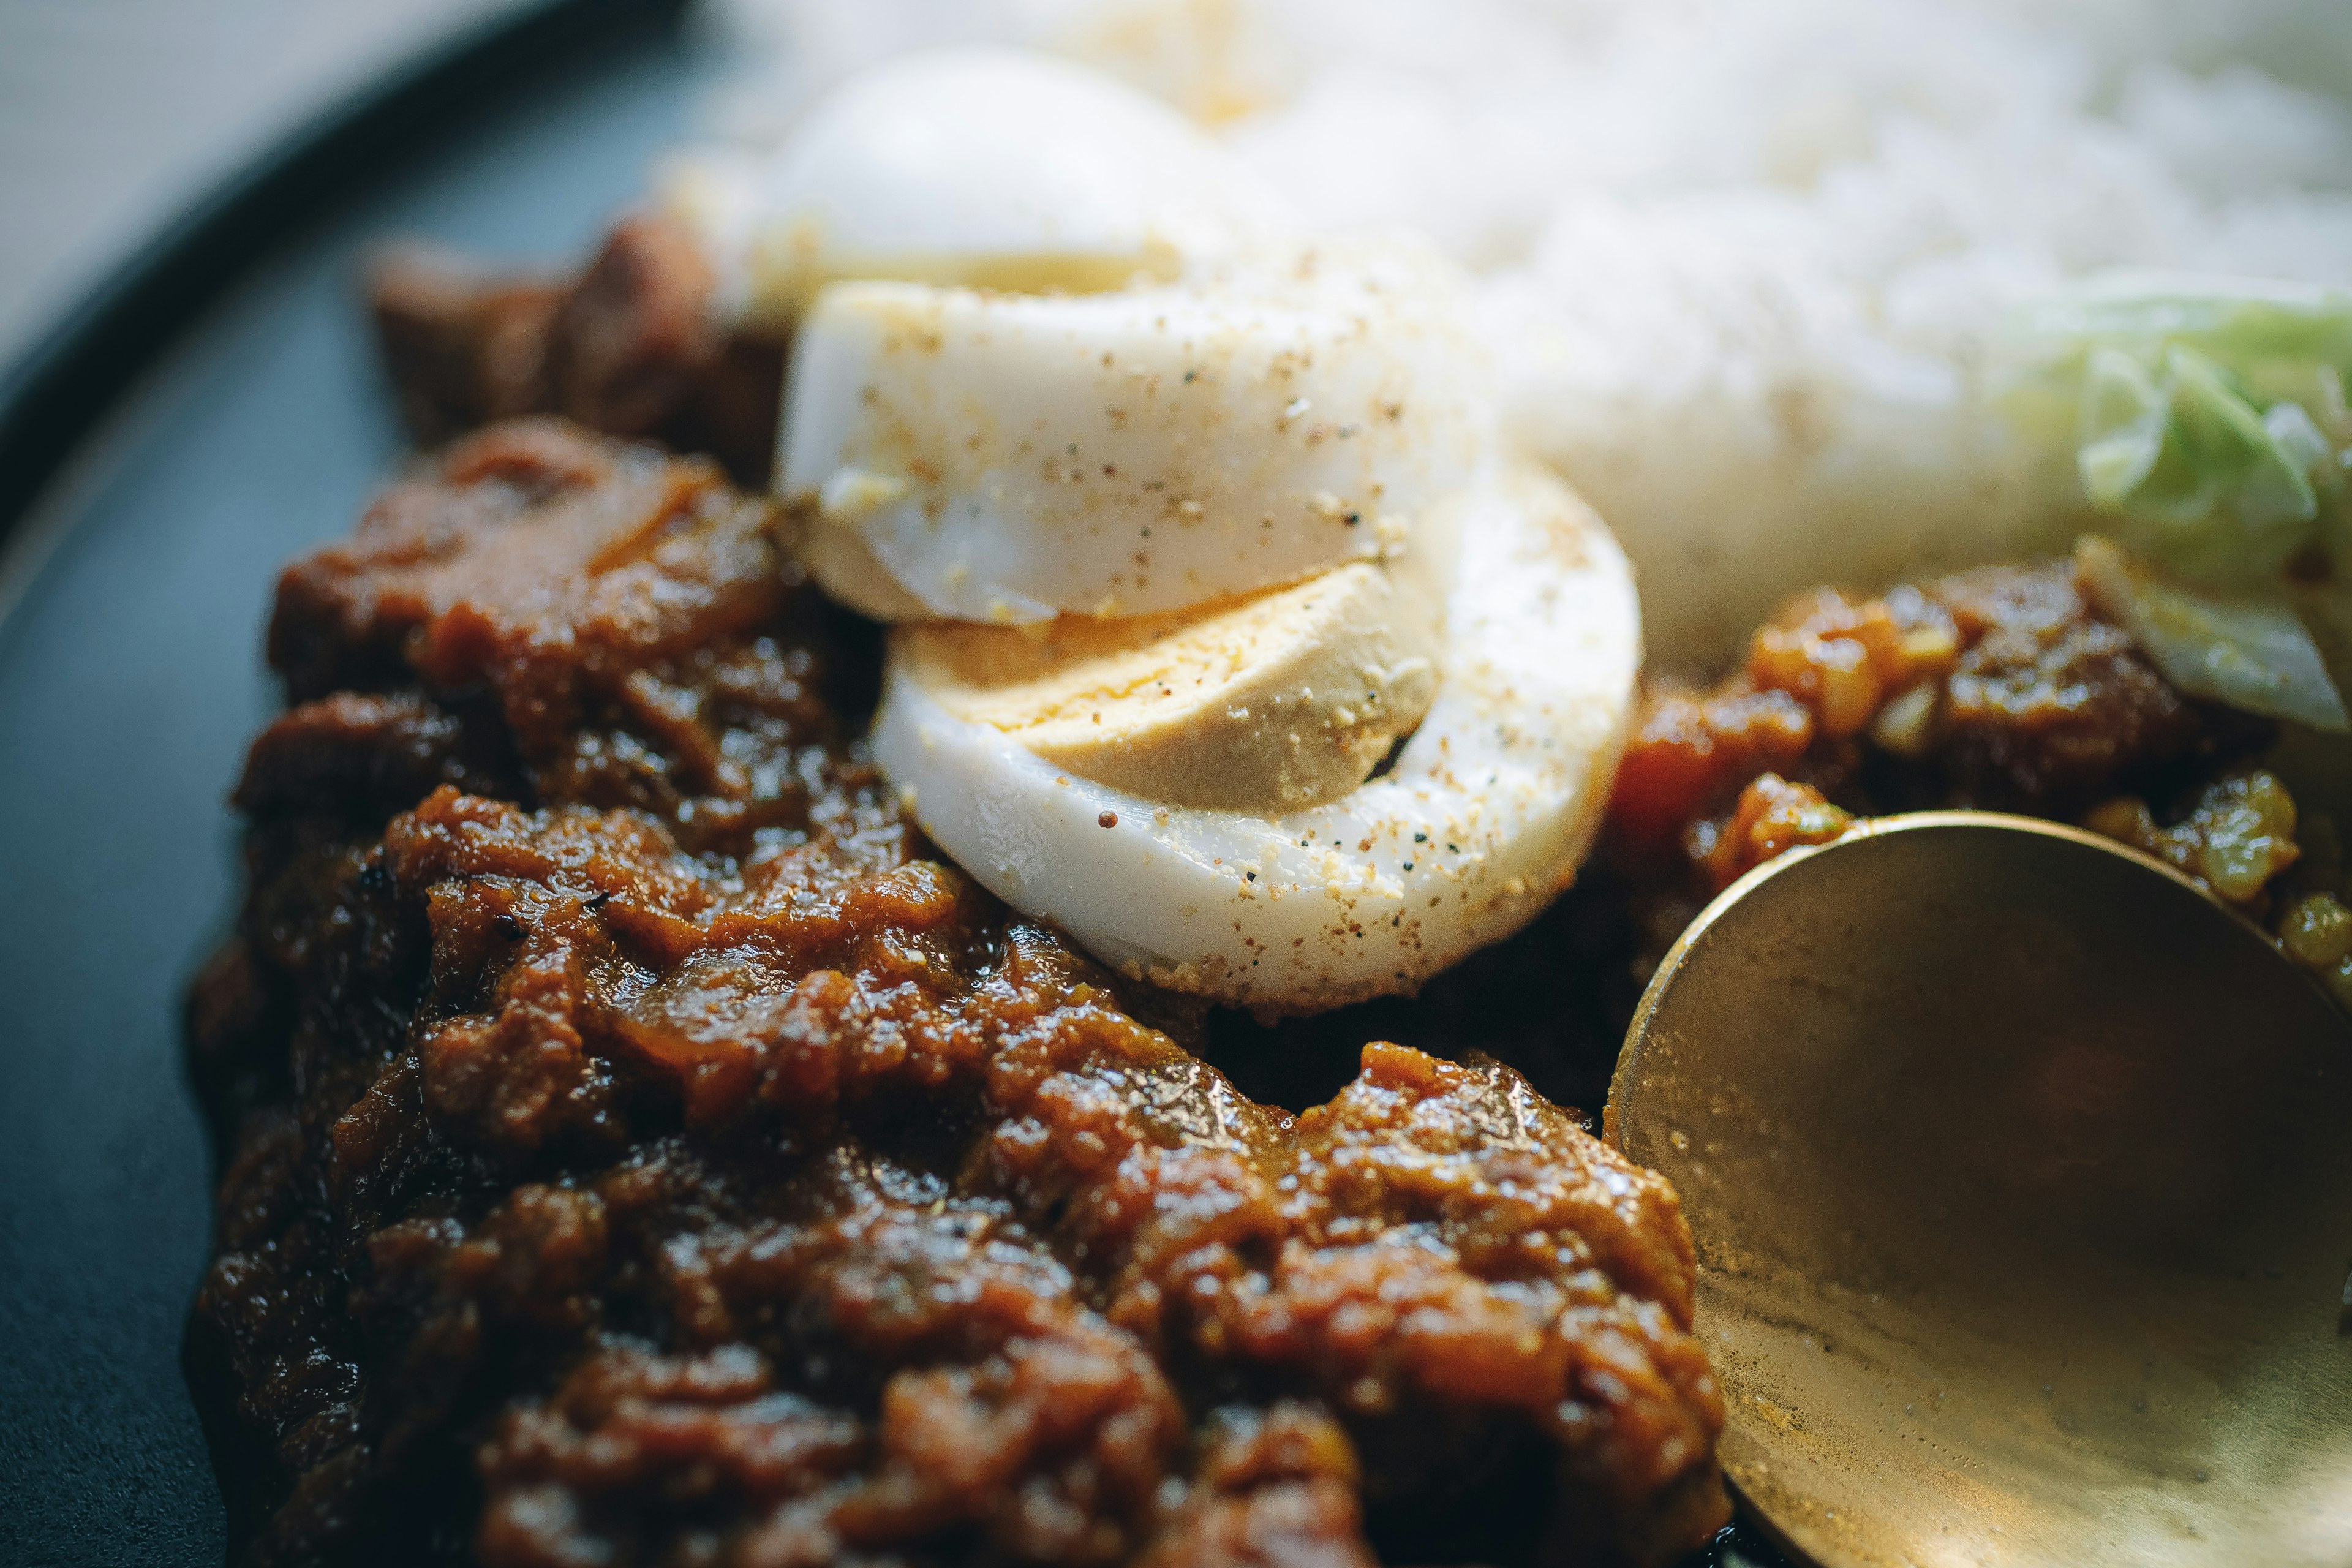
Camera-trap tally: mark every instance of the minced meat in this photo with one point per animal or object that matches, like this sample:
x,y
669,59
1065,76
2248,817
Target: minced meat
x,y
641,1148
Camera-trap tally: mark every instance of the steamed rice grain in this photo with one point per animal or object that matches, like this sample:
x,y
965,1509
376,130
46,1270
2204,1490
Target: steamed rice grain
x,y
1745,267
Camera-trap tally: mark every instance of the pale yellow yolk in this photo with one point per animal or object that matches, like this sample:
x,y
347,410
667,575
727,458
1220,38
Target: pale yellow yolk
x,y
1276,701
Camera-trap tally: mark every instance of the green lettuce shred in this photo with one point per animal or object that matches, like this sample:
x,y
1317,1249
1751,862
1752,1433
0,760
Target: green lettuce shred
x,y
2208,417
2248,649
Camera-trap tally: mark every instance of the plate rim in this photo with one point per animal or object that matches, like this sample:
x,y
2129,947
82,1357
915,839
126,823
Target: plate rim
x,y
57,390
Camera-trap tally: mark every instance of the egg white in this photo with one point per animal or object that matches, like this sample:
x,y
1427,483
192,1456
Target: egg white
x,y
1488,810
989,166
1006,458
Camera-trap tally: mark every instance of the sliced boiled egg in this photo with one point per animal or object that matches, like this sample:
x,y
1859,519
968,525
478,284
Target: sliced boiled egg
x,y
1487,811
1006,458
1229,636
985,166
1273,702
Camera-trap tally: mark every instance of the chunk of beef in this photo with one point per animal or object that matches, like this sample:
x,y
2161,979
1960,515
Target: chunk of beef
x,y
615,609
2049,707
633,346
634,334
537,560
462,350
370,754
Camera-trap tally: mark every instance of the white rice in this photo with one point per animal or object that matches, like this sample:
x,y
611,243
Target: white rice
x,y
1744,263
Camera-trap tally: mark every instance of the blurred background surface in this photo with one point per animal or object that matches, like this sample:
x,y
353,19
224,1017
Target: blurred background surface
x,y
116,114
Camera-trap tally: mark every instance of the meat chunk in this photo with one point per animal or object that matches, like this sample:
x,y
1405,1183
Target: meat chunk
x,y
1272,1488
537,560
632,346
643,1153
462,350
2050,706
371,754
614,610
634,335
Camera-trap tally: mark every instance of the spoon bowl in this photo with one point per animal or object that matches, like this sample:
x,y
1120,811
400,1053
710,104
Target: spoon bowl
x,y
2020,1174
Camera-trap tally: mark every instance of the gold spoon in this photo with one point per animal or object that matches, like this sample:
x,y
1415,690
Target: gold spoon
x,y
2021,1172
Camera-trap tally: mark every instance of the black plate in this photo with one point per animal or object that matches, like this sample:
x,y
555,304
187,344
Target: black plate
x,y
211,412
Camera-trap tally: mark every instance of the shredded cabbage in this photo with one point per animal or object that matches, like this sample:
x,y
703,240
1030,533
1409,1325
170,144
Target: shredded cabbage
x,y
2249,650
2207,415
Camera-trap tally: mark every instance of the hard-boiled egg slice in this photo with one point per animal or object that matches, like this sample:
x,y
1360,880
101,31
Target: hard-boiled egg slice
x,y
986,166
1270,703
1487,814
1005,458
